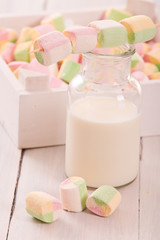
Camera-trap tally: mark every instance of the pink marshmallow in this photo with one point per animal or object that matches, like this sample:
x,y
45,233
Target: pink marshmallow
x,y
55,47
16,64
7,52
83,39
56,82
36,66
140,76
3,35
52,40
43,29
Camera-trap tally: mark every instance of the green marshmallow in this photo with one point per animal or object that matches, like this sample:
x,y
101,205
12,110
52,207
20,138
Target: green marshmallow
x,y
22,55
47,218
111,37
83,192
103,195
59,23
117,15
68,70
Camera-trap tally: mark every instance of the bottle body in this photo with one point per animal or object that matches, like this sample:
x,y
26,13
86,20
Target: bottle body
x,y
103,132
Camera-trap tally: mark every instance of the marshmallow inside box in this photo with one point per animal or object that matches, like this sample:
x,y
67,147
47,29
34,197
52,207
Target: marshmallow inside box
x,y
38,118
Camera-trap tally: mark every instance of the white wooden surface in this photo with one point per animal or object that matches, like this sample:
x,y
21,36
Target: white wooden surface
x,y
137,217
9,165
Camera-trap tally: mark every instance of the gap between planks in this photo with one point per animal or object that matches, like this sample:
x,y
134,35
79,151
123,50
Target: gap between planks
x,y
15,191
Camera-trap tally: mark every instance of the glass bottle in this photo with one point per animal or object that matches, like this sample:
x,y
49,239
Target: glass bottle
x,y
103,122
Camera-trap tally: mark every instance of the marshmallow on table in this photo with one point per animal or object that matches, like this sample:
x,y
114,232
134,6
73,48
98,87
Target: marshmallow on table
x,y
140,28
104,200
22,51
150,68
43,206
83,39
51,48
7,51
137,63
69,69
56,21
153,56
116,14
109,33
73,194
8,34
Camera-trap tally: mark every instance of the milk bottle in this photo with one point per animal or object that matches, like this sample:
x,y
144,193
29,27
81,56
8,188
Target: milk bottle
x,y
103,122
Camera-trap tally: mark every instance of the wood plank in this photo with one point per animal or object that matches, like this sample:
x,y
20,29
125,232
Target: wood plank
x,y
43,170
150,189
19,6
9,162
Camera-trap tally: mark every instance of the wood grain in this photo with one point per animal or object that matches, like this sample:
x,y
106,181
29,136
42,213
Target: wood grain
x,y
43,170
9,162
150,189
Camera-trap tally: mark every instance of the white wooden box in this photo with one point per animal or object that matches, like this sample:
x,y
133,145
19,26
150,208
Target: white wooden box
x,y
35,119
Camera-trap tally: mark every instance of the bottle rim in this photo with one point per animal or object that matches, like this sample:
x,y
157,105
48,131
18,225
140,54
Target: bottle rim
x,y
122,51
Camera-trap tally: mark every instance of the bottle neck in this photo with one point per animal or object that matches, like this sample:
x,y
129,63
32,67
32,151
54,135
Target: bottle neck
x,y
106,69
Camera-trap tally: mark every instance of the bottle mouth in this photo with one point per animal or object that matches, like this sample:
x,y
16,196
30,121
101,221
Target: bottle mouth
x,y
122,51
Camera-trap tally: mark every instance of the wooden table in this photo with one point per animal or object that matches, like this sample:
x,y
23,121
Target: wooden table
x,y
138,216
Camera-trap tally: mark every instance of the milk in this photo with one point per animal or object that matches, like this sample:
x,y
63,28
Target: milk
x,y
102,142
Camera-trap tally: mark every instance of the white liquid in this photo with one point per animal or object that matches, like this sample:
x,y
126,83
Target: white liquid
x,y
102,143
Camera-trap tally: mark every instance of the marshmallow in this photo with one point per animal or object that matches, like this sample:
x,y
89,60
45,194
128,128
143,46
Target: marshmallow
x,y
104,200
57,83
140,28
51,48
116,14
137,63
156,45
150,68
153,56
69,70
7,51
22,51
43,206
33,81
142,48
35,66
109,33
75,57
83,39
73,194
25,35
154,76
140,76
56,21
8,34
16,64
28,33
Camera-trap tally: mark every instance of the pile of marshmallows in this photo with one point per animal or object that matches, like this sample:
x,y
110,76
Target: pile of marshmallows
x,y
52,50
74,198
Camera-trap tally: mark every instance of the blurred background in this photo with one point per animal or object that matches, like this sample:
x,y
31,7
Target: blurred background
x,y
34,6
